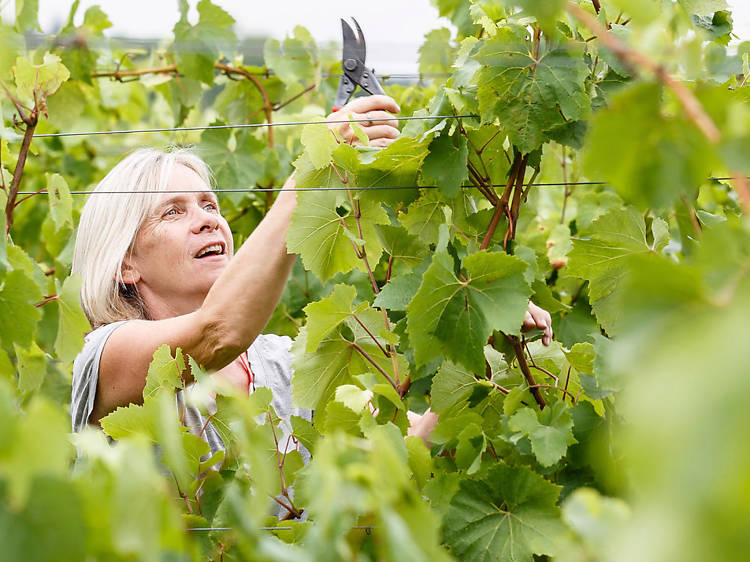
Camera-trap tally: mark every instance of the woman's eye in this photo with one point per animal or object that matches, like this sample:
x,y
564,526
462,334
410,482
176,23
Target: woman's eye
x,y
210,207
170,212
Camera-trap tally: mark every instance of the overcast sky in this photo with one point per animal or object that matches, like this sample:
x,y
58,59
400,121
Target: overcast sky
x,y
393,28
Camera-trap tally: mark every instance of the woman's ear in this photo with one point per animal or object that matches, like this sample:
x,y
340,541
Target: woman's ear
x,y
130,275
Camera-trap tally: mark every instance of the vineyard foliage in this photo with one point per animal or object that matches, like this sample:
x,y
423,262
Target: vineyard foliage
x,y
598,170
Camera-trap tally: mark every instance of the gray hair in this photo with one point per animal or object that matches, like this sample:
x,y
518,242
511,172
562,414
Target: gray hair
x,y
109,225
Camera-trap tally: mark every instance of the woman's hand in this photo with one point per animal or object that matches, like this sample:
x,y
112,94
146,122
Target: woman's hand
x,y
538,318
376,110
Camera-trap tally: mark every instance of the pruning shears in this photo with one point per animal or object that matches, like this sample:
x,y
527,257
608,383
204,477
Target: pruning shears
x,y
354,71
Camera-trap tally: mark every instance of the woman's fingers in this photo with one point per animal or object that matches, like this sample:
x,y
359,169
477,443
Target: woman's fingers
x,y
373,114
537,317
372,103
381,131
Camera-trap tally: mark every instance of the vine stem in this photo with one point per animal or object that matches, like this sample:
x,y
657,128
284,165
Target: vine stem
x,y
15,184
374,363
501,207
515,342
369,333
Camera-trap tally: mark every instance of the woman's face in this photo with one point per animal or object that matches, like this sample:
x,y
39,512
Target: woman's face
x,y
181,248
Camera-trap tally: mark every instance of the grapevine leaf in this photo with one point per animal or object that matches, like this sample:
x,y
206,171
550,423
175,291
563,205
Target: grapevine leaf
x,y
650,159
424,217
324,238
199,46
324,315
238,168
38,81
129,420
353,397
27,15
164,371
550,433
11,46
402,246
398,293
420,461
530,94
32,368
294,60
396,165
445,166
544,12
508,515
18,315
304,432
451,386
72,324
602,259
436,54
455,317
319,143
39,446
316,375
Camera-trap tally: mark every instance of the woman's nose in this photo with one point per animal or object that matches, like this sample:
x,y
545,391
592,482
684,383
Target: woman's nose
x,y
205,220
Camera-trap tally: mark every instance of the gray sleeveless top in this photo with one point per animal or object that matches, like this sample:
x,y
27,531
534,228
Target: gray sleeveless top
x,y
269,360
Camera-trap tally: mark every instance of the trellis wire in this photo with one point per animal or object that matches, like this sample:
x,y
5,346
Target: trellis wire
x,y
342,188
366,528
246,126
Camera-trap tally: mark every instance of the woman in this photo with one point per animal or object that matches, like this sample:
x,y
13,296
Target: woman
x,y
161,269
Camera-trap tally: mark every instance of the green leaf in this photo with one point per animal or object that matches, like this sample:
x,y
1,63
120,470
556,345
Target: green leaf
x,y
294,60
596,518
397,165
323,316
317,375
436,55
424,217
508,515
72,324
387,391
27,15
319,142
39,446
38,81
445,165
451,386
324,238
529,94
164,372
602,259
353,397
11,46
420,461
550,432
233,169
18,315
455,316
198,47
32,368
402,246
304,432
545,12
130,420
650,158
398,292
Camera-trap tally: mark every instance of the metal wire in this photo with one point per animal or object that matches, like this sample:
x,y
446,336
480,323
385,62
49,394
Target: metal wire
x,y
246,126
274,189
364,188
366,528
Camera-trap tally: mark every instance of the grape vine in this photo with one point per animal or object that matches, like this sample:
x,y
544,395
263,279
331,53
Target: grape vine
x,y
564,152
